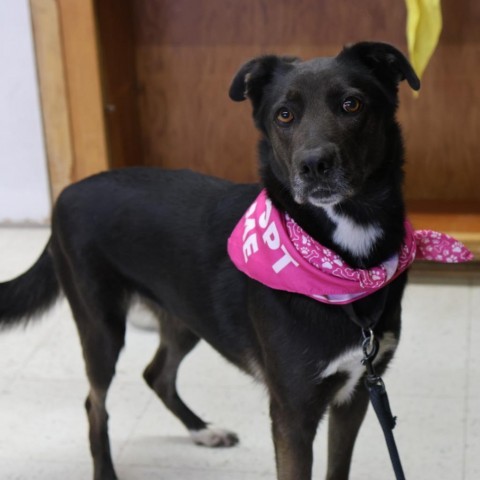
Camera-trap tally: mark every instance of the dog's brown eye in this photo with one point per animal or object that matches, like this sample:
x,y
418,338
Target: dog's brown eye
x,y
352,105
284,116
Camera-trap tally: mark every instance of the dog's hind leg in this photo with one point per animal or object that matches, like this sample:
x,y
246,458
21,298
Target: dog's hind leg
x,y
344,423
101,347
161,375
98,303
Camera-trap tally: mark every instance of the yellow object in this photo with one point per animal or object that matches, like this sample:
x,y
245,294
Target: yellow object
x,y
424,24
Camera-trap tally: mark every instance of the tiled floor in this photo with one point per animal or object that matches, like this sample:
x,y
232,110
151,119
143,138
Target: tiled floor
x,y
434,386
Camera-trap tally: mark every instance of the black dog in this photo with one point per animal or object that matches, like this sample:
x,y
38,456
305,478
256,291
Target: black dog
x,y
331,156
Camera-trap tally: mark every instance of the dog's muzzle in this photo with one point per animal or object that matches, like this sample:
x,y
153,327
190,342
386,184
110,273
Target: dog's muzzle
x,y
317,177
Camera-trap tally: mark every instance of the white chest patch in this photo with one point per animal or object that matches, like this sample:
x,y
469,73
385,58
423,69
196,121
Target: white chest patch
x,y
350,362
357,239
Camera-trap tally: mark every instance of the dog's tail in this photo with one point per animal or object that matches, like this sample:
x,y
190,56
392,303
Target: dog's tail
x,y
30,294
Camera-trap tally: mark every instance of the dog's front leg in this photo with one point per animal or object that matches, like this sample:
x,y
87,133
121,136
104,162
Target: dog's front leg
x,y
293,432
344,421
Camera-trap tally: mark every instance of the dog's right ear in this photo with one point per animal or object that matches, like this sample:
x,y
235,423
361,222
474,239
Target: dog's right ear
x,y
252,78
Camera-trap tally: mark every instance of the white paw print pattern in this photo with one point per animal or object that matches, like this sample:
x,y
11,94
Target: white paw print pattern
x,y
440,247
329,262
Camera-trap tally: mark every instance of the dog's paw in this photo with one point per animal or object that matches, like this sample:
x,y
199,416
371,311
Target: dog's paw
x,y
214,437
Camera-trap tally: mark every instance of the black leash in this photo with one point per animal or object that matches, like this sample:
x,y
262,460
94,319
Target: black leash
x,y
379,400
366,315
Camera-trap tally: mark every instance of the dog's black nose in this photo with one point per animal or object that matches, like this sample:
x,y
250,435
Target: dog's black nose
x,y
316,165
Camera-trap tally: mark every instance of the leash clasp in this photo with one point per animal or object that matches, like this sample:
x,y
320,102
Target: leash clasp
x,y
370,347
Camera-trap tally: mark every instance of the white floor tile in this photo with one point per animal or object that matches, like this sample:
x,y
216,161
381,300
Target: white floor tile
x,y
474,345
43,420
432,356
149,473
19,248
40,470
472,463
472,452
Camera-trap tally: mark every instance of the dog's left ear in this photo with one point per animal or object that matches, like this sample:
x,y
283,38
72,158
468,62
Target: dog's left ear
x,y
385,61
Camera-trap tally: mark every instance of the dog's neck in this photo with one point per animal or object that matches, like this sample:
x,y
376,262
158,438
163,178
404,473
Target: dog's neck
x,y
358,239
365,230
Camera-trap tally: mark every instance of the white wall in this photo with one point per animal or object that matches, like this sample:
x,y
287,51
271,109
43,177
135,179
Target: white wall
x,y
24,191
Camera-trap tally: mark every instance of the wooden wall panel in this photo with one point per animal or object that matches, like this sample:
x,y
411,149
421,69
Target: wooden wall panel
x,y
188,50
262,24
442,125
71,97
119,81
84,95
188,119
53,94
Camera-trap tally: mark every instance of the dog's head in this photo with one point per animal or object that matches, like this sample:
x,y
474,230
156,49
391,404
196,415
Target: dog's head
x,y
328,120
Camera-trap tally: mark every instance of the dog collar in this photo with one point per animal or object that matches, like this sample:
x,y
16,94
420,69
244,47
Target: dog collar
x,y
270,247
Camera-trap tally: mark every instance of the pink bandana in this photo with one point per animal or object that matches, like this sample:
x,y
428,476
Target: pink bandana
x,y
270,247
